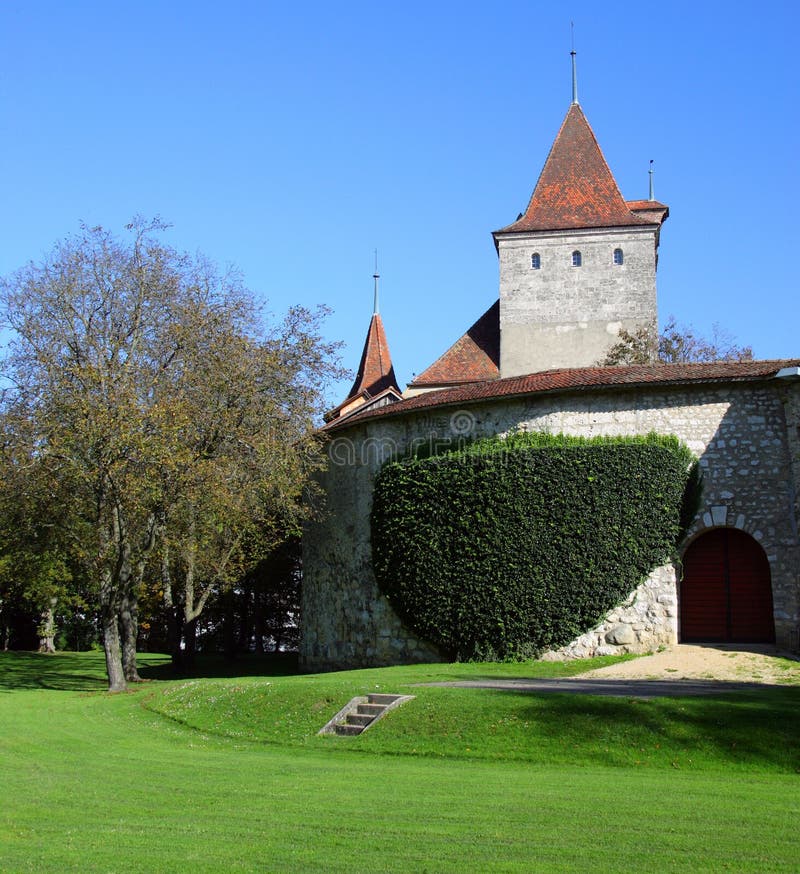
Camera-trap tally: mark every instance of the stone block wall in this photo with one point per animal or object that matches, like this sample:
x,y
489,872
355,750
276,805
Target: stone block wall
x,y
564,316
745,436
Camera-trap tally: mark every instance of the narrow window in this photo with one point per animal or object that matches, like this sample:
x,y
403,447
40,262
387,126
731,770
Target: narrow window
x,y
576,259
536,261
618,256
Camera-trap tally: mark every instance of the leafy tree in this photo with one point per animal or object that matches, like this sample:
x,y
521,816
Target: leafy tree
x,y
35,576
160,421
675,345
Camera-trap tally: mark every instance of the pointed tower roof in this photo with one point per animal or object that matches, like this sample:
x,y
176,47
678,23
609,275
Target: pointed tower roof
x,y
576,188
375,378
375,371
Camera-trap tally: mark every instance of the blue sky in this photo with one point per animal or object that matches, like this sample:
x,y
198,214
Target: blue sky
x,y
294,142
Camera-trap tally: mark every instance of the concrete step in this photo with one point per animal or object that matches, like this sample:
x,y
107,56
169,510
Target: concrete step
x,y
359,719
348,729
381,698
370,709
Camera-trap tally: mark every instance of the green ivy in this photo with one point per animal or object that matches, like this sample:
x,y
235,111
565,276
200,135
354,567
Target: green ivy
x,y
506,547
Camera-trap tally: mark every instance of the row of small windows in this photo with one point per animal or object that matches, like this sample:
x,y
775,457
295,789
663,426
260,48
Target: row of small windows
x,y
577,259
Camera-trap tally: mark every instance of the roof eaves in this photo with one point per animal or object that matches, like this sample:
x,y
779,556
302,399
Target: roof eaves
x,y
475,393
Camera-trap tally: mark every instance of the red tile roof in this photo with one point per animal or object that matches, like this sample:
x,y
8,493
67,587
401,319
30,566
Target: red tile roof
x,y
375,371
576,188
584,379
652,210
362,402
473,357
645,205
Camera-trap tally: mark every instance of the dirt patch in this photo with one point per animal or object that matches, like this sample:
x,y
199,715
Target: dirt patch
x,y
730,662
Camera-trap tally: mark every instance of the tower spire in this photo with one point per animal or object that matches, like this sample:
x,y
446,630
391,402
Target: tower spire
x,y
376,276
375,377
574,67
650,174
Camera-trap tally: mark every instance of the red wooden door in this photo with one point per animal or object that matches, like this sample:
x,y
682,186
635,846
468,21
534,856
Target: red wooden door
x,y
726,591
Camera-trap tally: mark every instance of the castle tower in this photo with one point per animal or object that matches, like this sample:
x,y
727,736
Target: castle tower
x,y
579,264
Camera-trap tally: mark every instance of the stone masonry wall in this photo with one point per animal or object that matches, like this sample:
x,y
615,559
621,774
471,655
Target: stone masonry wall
x,y
564,316
738,431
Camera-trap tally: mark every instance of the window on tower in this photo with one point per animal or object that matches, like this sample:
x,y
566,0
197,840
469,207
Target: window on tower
x,y
576,259
618,256
536,261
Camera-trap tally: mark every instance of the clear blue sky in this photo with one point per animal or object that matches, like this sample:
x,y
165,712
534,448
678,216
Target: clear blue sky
x,y
294,142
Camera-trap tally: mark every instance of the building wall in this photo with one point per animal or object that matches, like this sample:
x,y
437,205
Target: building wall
x,y
565,316
745,435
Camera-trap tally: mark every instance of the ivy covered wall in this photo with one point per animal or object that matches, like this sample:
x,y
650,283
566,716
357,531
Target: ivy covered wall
x,y
505,548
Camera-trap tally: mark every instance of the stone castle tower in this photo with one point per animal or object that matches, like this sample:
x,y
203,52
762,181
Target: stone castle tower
x,y
579,264
576,268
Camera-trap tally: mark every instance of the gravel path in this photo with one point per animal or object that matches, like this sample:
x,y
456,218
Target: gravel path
x,y
683,669
741,663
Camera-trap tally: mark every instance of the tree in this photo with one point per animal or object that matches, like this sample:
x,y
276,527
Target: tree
x,y
675,345
35,576
235,490
157,414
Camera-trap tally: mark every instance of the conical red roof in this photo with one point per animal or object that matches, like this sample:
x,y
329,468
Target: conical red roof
x,y
375,372
576,188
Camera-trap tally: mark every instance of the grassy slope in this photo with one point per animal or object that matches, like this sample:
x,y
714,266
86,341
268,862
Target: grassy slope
x,y
98,783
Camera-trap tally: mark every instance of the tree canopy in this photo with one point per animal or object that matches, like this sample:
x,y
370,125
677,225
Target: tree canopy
x,y
676,344
155,419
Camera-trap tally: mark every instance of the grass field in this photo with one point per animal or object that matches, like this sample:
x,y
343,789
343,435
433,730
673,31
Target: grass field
x,y
228,774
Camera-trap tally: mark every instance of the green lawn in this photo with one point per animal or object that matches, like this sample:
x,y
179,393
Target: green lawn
x,y
227,774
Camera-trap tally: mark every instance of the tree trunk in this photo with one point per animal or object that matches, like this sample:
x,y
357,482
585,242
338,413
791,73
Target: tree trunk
x,y
47,628
190,643
258,622
229,624
243,630
113,650
174,630
129,623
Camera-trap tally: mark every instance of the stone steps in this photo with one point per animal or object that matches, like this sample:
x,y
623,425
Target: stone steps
x,y
362,712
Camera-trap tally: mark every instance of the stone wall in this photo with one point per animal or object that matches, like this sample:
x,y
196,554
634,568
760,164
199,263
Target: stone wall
x,y
745,436
564,316
346,622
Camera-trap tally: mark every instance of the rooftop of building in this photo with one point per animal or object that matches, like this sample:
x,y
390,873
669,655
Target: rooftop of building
x,y
576,188
474,357
375,374
581,380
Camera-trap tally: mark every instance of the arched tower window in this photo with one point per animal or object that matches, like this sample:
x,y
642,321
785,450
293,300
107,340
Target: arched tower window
x,y
576,259
536,261
618,259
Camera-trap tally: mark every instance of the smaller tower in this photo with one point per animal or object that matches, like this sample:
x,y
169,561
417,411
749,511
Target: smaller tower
x,y
375,384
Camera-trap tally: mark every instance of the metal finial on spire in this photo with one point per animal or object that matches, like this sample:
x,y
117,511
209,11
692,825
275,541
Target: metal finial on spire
x,y
376,277
574,68
650,174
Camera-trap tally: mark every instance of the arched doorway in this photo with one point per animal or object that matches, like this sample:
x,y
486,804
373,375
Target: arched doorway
x,y
726,590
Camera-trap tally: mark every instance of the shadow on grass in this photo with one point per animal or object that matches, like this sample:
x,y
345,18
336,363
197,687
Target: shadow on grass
x,y
757,726
73,672
280,664
85,671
